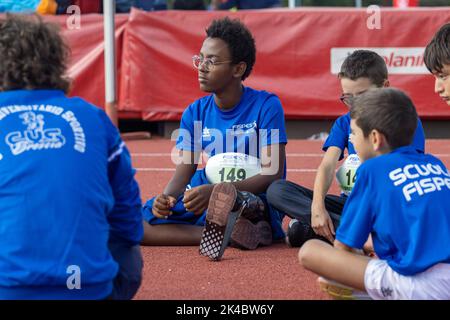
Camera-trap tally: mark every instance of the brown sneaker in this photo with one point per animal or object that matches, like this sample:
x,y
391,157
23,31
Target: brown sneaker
x,y
247,235
255,209
220,221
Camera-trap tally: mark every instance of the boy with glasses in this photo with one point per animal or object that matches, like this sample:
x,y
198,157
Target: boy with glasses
x,y
231,118
401,198
316,214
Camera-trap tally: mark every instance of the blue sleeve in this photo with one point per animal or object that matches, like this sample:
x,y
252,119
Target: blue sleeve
x,y
272,122
189,131
125,218
419,138
356,221
338,135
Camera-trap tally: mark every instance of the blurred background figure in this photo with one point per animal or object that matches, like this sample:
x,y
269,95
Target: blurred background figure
x,y
123,6
86,6
63,5
28,6
244,4
189,5
92,6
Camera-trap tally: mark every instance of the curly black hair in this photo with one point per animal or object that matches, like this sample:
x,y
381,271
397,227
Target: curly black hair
x,y
365,63
437,52
238,38
32,54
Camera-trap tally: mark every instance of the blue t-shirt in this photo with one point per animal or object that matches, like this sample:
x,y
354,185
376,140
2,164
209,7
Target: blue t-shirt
x,y
340,136
403,200
255,122
66,182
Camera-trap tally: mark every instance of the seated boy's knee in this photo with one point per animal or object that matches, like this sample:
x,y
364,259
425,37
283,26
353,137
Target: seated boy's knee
x,y
132,278
129,278
306,252
274,191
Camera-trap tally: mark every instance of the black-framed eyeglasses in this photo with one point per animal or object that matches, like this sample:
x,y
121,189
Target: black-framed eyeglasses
x,y
208,63
347,98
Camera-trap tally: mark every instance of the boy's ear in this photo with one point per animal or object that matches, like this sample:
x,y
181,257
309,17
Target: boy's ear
x,y
239,69
378,140
386,83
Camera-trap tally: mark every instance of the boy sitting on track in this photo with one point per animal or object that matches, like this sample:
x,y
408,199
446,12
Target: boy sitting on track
x,y
233,118
401,198
315,214
70,208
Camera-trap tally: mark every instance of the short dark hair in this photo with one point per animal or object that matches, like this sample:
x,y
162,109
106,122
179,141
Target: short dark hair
x,y
388,110
364,63
437,52
32,54
239,40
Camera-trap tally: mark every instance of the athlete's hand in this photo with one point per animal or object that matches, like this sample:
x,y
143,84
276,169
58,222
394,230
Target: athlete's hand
x,y
162,205
322,223
368,248
196,199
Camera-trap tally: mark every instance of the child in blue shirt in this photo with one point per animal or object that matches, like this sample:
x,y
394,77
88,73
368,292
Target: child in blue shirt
x,y
315,213
437,60
401,198
70,207
234,118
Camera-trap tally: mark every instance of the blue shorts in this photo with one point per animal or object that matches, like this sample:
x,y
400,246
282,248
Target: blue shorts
x,y
181,216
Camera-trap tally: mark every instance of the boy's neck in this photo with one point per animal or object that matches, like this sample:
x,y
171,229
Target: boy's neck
x,y
229,97
383,150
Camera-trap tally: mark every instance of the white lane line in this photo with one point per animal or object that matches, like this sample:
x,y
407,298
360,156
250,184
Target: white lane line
x,y
293,155
156,155
150,155
173,169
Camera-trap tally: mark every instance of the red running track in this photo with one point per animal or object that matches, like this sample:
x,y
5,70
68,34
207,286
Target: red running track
x,y
180,273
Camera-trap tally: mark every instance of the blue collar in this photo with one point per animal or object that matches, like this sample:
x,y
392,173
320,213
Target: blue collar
x,y
405,149
35,93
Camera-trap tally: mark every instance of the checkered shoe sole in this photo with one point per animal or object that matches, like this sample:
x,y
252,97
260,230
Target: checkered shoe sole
x,y
220,221
212,240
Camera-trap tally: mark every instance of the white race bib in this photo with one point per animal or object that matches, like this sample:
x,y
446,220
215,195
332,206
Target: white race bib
x,y
231,167
346,174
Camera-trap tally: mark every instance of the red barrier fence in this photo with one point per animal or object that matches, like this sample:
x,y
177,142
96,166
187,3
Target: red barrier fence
x,y
298,55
